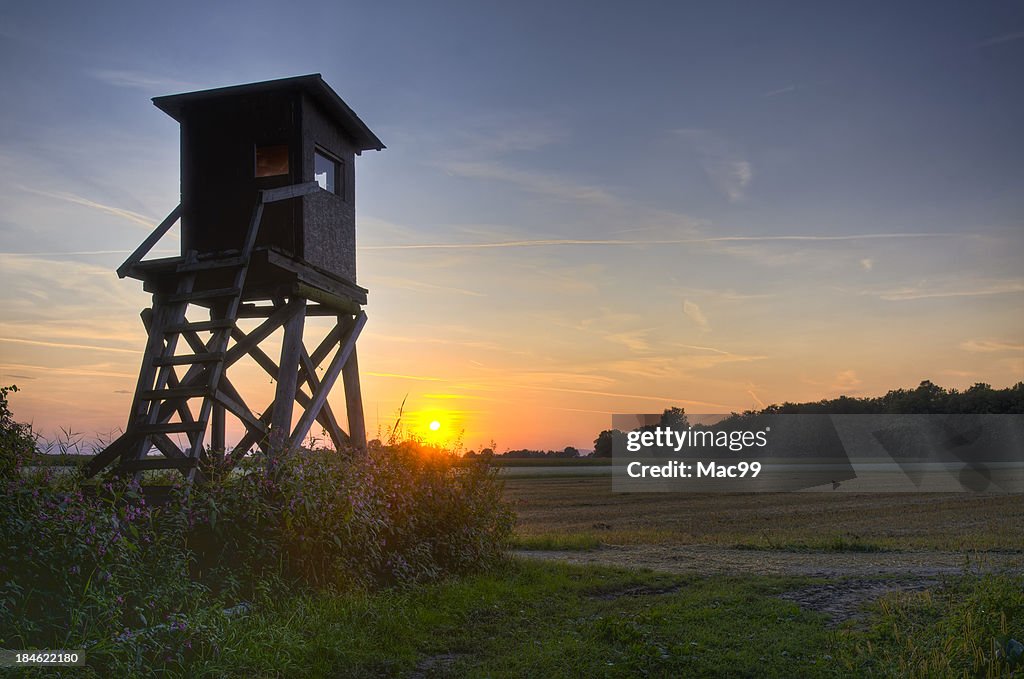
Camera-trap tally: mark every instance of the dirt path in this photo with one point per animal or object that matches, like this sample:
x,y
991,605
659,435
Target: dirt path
x,y
708,559
855,578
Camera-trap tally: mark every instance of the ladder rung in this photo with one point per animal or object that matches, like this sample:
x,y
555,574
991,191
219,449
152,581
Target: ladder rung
x,y
200,326
157,463
174,392
203,294
188,359
212,264
169,428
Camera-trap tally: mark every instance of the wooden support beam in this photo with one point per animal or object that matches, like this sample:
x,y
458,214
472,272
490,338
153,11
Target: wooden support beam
x,y
245,341
252,437
287,382
267,363
336,302
309,275
166,446
286,192
218,428
242,412
107,455
326,416
328,380
150,241
354,401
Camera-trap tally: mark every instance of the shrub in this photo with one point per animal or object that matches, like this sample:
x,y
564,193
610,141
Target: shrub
x,y
96,567
16,441
391,515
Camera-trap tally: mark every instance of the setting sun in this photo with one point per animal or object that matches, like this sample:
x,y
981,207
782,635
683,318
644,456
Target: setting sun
x,y
435,425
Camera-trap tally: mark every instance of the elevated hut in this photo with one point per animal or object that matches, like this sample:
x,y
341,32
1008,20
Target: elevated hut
x,y
268,231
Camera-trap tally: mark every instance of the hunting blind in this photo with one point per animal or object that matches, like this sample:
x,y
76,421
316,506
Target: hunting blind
x,y
267,232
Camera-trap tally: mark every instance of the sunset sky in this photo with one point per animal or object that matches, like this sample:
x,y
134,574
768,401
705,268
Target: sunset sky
x,y
584,208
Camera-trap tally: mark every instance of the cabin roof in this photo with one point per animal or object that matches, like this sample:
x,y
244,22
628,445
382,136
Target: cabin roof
x,y
313,85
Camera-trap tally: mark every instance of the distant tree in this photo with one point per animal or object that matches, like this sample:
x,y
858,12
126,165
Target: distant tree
x,y
606,441
674,418
570,452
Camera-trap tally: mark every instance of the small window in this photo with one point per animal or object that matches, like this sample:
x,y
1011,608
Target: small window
x,y
271,161
328,173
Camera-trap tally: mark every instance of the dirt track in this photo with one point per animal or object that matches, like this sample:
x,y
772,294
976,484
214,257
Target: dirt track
x,y
708,560
854,578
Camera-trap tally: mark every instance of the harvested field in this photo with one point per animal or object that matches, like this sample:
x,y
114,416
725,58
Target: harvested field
x,y
585,509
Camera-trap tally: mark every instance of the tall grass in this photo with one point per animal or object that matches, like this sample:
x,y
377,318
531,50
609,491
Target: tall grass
x,y
96,567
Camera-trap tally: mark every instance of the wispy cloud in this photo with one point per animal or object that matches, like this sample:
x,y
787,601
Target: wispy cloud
x,y
560,242
757,399
711,349
728,295
417,378
722,161
640,397
67,345
780,91
129,215
694,313
634,340
78,372
553,186
504,133
1000,39
410,284
140,80
79,253
926,292
846,380
990,346
843,382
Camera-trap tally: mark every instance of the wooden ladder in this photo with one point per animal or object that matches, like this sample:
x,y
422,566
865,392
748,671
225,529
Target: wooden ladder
x,y
159,393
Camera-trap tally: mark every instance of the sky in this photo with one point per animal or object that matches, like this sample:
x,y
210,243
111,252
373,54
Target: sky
x,y
585,208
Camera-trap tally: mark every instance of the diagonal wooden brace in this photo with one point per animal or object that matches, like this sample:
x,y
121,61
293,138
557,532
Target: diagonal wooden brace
x,y
328,380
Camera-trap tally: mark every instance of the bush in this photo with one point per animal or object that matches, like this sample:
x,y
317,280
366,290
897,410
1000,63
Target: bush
x,y
398,514
96,567
16,441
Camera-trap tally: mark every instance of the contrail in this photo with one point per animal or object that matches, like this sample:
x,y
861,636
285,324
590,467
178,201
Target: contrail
x,y
617,242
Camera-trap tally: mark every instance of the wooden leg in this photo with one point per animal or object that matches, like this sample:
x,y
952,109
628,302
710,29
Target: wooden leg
x,y
354,401
287,378
332,373
217,429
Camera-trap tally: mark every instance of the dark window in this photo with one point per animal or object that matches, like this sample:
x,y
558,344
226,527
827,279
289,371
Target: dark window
x,y
327,172
271,160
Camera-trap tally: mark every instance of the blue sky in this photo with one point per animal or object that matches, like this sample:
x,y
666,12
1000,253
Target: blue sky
x,y
716,205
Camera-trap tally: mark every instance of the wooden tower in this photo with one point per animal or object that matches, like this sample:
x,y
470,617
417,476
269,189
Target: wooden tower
x,y
267,232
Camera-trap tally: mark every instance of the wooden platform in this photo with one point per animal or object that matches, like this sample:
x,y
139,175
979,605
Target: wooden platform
x,y
272,274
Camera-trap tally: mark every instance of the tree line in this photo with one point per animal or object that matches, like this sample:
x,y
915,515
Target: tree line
x,y
926,399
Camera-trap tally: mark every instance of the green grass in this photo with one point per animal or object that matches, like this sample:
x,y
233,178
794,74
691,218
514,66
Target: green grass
x,y
534,619
593,539
823,543
972,627
531,620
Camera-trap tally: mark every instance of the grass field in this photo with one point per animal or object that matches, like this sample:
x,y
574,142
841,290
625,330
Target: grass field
x,y
606,584
579,512
881,585
531,619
